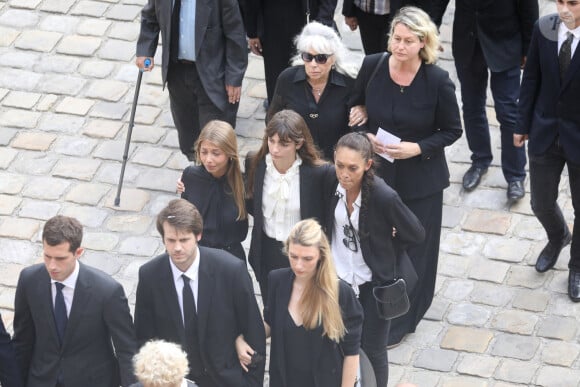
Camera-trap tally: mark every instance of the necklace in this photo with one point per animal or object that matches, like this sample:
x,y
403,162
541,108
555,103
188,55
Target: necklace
x,y
318,91
402,89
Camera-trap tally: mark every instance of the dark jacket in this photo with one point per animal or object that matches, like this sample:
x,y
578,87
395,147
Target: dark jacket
x,y
9,373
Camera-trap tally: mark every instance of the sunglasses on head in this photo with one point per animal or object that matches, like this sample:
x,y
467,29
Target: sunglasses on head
x,y
319,58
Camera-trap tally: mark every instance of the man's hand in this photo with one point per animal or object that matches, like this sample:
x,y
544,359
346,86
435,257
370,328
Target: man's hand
x,y
351,22
234,93
520,139
140,62
255,46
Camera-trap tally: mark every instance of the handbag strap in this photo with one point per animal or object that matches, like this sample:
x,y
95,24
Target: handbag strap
x,y
376,70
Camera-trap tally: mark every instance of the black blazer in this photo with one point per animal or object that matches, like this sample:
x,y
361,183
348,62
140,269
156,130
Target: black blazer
x,y
395,5
311,199
99,341
328,354
9,375
426,113
549,107
503,29
226,308
384,211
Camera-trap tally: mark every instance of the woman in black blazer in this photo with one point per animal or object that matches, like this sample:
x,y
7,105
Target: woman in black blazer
x,y
283,186
361,216
406,94
216,188
314,318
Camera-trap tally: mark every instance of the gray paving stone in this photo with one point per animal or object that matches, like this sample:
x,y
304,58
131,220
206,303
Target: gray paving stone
x,y
58,64
123,12
106,90
10,275
6,136
132,268
489,222
33,141
467,339
87,193
258,91
452,216
453,265
133,224
89,216
74,146
96,68
59,23
109,173
36,40
437,310
560,353
15,79
177,161
46,102
532,300
7,298
36,209
102,128
401,354
486,270
146,114
255,68
76,168
21,99
529,228
146,134
124,31
525,277
18,252
61,84
113,111
28,4
151,156
11,183
426,332
79,45
7,36
555,327
141,246
148,95
112,150
19,18
506,249
515,346
63,123
129,73
76,106
424,378
57,6
248,106
89,8
489,199
18,228
158,180
8,204
20,59
458,290
94,27
101,241
108,263
130,200
436,359
516,371
45,188
3,93
491,294
468,314
550,376
466,244
514,321
159,202
19,118
117,50
477,365
34,163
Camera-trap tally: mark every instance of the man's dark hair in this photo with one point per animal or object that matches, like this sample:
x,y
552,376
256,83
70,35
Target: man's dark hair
x,y
60,229
182,215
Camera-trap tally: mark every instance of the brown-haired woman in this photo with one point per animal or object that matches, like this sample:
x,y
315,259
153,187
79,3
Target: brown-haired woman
x,y
216,188
284,186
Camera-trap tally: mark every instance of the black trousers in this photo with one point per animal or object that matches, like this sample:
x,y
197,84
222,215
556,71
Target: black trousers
x,y
190,105
373,30
273,258
545,171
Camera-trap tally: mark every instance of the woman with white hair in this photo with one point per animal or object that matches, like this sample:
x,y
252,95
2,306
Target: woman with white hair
x,y
161,364
318,86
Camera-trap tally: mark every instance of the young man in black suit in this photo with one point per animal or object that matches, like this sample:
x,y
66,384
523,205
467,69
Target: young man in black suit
x,y
201,298
72,325
492,37
9,375
549,117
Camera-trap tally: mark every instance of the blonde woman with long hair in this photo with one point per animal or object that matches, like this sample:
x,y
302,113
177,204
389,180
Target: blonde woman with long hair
x,y
216,188
314,318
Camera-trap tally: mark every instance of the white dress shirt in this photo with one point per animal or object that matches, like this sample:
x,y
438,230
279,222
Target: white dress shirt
x,y
193,274
563,34
68,290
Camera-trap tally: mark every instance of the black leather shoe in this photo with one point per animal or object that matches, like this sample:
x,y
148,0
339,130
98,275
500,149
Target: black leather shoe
x,y
515,190
472,177
574,285
548,257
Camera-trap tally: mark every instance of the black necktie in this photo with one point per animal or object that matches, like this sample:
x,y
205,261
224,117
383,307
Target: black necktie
x,y
174,43
60,316
190,328
565,55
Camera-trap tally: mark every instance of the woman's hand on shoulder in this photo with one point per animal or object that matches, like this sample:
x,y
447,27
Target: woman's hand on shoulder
x,y
180,186
358,115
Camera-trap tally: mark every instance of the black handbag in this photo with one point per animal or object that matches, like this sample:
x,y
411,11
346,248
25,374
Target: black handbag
x,y
392,298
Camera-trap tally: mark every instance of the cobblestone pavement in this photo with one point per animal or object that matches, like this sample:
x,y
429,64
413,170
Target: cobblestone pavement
x,y
66,86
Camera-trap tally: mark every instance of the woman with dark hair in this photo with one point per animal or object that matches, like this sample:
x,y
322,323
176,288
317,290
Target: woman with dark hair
x,y
283,186
362,212
216,188
409,96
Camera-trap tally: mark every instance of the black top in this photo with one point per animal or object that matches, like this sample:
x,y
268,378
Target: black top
x,y
327,119
215,202
297,341
426,112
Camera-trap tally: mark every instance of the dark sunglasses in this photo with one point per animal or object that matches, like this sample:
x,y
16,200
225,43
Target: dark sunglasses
x,y
319,58
350,238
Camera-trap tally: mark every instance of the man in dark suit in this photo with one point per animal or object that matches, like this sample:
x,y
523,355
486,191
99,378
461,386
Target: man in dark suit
x,y
492,36
9,376
549,117
201,298
72,325
203,61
